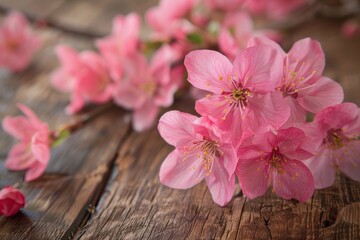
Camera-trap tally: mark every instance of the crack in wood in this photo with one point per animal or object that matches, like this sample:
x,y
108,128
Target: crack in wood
x,y
85,216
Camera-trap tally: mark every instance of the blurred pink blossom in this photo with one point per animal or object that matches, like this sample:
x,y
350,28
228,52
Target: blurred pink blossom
x,y
18,42
123,41
275,9
335,134
235,32
149,86
226,5
275,158
200,153
84,75
168,19
11,200
32,153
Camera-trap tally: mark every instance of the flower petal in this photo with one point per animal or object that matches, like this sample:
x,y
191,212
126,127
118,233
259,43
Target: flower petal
x,y
19,157
220,184
208,70
180,174
307,59
324,93
176,128
348,159
144,117
253,177
322,168
18,127
296,181
254,67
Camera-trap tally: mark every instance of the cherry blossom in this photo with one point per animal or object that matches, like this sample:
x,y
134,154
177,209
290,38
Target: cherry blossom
x,y
32,153
275,9
235,32
302,85
168,19
18,42
241,91
275,158
149,86
84,75
335,134
11,201
200,153
123,41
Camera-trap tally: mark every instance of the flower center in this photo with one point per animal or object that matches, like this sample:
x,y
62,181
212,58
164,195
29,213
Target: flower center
x,y
11,45
276,160
149,88
206,151
335,138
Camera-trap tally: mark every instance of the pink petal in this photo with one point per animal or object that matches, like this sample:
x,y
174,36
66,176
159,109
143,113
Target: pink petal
x,y
129,96
18,127
348,159
176,128
208,70
180,174
19,157
76,104
295,182
253,177
307,59
40,147
268,112
35,171
34,120
322,168
229,158
324,93
297,113
220,184
144,117
253,65
337,116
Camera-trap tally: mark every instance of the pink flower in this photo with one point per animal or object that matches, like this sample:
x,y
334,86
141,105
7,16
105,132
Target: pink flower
x,y
276,9
240,92
168,19
17,42
32,153
11,200
226,5
302,85
235,32
335,134
123,41
84,75
275,158
199,154
149,87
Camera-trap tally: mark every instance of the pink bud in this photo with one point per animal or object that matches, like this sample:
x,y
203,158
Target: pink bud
x,y
11,200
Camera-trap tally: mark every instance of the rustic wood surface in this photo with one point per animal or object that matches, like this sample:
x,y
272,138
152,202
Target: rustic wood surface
x,y
102,183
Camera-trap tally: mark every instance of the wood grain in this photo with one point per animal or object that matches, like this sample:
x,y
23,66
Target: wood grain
x,y
103,182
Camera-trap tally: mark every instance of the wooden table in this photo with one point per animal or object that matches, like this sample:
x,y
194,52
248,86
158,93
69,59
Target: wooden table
x,y
102,183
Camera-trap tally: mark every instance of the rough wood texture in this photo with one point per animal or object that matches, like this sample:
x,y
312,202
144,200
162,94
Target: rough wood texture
x,y
102,183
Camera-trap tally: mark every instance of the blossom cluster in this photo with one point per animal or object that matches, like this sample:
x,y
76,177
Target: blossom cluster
x,y
18,42
143,75
253,125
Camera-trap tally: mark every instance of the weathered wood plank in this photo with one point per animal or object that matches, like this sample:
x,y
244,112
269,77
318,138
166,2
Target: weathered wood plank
x,y
87,17
58,201
136,206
